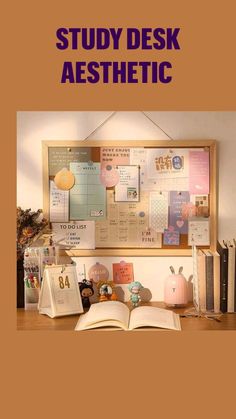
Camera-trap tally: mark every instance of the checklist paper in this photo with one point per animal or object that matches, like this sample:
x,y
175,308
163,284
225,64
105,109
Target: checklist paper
x,y
88,195
59,204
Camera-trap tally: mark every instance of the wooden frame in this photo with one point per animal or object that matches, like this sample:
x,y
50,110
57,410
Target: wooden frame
x,y
211,144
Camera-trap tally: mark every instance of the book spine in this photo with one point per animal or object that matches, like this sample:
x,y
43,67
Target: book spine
x,y
235,285
223,277
216,283
201,280
209,283
231,279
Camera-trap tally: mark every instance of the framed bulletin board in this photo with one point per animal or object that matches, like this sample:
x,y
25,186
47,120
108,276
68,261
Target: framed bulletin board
x,y
142,198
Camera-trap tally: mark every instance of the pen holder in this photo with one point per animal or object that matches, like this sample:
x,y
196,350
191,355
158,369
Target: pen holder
x,y
176,291
31,298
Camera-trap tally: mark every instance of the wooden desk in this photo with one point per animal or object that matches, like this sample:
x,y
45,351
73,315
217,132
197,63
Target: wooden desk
x,y
32,320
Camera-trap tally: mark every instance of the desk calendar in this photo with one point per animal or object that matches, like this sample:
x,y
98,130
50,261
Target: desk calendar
x,y
60,295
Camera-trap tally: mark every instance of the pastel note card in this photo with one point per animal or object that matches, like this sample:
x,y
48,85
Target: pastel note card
x,y
158,211
88,195
199,172
61,157
167,163
59,204
150,239
199,232
115,155
123,273
176,220
75,235
124,224
127,190
171,237
138,156
201,203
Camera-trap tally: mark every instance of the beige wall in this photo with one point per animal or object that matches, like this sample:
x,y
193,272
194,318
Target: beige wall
x,y
33,127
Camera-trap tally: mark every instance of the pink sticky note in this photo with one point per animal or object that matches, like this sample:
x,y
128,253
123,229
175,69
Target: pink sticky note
x,y
199,172
123,273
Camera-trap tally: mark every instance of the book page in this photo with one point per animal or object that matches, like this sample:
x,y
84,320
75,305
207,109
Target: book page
x,y
154,317
108,313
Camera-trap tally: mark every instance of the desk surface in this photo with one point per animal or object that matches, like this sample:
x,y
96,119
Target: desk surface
x,y
32,320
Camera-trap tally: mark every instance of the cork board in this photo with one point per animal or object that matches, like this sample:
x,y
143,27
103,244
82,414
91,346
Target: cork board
x,y
124,228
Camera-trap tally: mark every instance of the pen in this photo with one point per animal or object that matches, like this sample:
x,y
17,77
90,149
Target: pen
x,y
36,283
27,282
31,282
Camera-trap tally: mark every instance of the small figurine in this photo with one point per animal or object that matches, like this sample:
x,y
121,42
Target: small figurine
x,y
86,291
135,287
106,291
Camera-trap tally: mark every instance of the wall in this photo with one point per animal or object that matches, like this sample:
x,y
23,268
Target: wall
x,y
33,127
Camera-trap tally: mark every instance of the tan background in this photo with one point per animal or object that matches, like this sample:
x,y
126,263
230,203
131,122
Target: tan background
x,y
144,373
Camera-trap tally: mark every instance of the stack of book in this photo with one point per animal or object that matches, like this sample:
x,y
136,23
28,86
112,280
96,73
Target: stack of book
x,y
217,278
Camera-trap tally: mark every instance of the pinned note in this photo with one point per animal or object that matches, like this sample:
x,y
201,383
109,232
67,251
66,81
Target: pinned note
x,y
158,210
127,190
59,204
123,272
76,235
64,179
171,237
199,172
199,232
88,195
176,218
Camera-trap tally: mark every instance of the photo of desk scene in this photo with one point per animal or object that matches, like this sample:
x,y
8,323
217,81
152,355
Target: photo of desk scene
x,y
123,234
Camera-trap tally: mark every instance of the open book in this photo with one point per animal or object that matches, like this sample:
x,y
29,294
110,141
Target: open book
x,y
116,314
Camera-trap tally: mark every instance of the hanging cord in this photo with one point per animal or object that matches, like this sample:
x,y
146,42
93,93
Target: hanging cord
x,y
158,126
113,113
100,125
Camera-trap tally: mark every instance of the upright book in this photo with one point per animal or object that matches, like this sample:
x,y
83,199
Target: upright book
x,y
223,252
201,269
208,273
216,274
234,242
231,278
116,315
209,281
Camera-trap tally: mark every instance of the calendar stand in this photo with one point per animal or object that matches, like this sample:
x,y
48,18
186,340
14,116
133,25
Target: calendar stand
x,y
60,295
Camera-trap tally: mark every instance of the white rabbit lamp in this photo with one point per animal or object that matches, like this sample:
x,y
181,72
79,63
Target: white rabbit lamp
x,y
176,289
